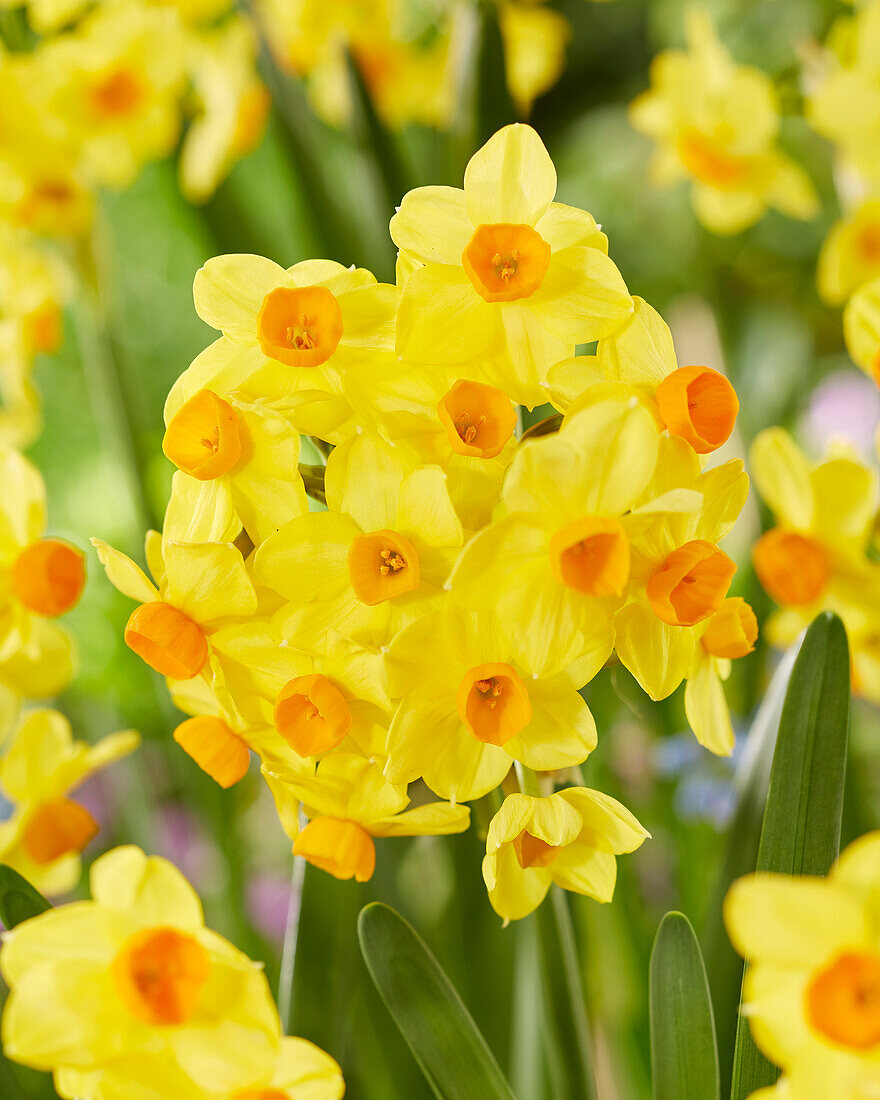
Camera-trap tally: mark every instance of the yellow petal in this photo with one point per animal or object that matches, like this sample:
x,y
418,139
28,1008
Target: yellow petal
x,y
511,179
148,888
657,654
208,582
706,707
123,574
229,290
432,225
782,477
442,319
434,819
583,296
641,351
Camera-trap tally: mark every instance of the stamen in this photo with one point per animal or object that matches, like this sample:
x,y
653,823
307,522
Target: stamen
x,y
393,562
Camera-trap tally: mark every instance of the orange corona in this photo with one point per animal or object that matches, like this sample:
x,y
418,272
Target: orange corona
x,y
299,326
505,262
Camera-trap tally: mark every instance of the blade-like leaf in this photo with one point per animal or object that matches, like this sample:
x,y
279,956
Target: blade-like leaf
x,y
801,830
19,901
684,1054
724,967
430,1014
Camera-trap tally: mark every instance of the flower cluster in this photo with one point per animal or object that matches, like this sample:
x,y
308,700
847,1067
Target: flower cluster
x,y
810,990
455,583
129,994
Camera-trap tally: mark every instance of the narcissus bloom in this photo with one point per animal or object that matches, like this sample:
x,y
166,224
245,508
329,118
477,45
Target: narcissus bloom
x,y
42,577
850,76
534,39
694,402
201,588
506,273
375,560
133,972
315,335
467,709
47,830
850,256
244,457
562,536
348,803
570,838
679,575
813,955
716,123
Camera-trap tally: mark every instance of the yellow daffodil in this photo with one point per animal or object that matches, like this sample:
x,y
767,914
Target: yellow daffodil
x,y
299,1071
534,39
813,957
114,85
201,588
816,556
373,562
40,668
348,803
851,76
861,328
231,105
314,335
134,973
716,123
47,830
507,274
694,402
679,577
467,709
238,461
731,632
570,838
40,577
850,256
554,564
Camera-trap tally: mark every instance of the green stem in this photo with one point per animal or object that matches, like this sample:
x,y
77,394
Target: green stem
x,y
291,936
568,1030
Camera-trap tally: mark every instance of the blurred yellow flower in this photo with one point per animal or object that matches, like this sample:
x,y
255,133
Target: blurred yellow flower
x,y
348,803
534,39
47,830
716,123
850,255
570,838
508,277
134,974
861,328
813,963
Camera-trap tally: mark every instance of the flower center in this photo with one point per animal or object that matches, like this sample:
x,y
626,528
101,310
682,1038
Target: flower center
x,y
58,828
311,714
591,556
792,568
260,1094
299,326
493,703
169,641
505,262
160,974
203,438
342,848
216,748
117,94
843,1000
531,851
698,404
732,630
382,565
705,160
868,244
691,584
48,577
479,419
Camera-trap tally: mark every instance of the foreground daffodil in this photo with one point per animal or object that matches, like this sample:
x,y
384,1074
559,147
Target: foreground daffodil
x,y
131,972
47,829
813,957
570,838
502,274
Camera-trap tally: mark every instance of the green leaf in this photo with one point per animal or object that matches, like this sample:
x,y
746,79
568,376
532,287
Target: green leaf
x,y
723,965
440,1031
684,1054
801,829
19,901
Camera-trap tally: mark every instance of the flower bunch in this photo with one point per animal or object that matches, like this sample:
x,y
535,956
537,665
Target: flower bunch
x,y
437,609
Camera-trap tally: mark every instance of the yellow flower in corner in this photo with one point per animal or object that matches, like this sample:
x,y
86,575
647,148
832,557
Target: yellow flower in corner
x,y
134,974
570,838
506,273
47,830
716,123
467,710
348,803
813,957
